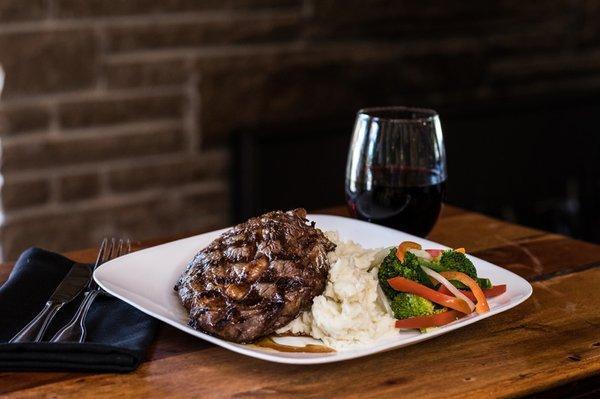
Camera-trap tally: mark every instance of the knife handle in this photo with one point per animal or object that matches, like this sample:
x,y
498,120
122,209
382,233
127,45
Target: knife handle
x,y
34,331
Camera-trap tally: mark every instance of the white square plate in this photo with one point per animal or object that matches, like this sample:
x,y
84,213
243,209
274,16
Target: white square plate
x,y
145,279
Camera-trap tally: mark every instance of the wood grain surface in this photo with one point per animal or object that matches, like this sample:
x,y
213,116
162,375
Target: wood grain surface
x,y
550,344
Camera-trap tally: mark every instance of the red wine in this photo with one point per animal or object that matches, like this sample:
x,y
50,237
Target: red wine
x,y
405,199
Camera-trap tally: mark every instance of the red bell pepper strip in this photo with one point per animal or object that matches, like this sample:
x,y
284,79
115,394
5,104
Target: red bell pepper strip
x,y
405,285
435,320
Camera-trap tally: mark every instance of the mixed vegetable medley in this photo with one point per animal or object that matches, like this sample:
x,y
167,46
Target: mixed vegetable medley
x,y
432,287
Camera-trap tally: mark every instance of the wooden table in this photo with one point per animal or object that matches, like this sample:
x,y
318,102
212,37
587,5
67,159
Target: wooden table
x,y
550,344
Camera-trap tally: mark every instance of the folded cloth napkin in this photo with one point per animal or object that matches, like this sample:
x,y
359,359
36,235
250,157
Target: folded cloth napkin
x,y
117,334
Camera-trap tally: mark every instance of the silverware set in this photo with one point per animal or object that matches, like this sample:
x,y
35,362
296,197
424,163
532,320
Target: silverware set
x,y
77,280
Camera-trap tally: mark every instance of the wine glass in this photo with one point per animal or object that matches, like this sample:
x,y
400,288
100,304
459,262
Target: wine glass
x,y
396,170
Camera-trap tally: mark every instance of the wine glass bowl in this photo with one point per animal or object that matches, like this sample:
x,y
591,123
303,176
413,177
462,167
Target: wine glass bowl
x,y
396,170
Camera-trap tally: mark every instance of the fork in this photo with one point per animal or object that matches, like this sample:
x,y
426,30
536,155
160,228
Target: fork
x,y
75,330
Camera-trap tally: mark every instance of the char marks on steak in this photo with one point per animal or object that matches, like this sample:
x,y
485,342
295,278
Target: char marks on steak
x,y
256,277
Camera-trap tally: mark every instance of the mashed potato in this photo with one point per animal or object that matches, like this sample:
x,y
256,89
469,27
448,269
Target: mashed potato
x,y
350,313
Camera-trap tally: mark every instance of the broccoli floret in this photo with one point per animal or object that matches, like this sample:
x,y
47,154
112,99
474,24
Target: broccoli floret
x,y
456,261
484,283
392,267
388,269
411,269
409,305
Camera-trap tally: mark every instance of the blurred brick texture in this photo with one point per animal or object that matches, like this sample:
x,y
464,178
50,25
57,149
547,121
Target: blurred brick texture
x,y
116,113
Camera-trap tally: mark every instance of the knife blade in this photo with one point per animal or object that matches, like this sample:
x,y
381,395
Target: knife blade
x,y
71,285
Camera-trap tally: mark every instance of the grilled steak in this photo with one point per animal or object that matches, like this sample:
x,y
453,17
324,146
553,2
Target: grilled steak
x,y
256,277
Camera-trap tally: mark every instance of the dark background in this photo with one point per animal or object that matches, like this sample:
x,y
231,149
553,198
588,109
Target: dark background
x,y
531,160
532,163
152,118
515,87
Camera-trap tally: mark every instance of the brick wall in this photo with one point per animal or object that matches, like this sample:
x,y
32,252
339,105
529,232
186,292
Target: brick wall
x,y
116,113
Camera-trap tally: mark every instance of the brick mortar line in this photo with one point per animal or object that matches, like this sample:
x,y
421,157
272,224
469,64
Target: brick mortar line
x,y
83,96
192,113
109,165
122,128
113,200
141,20
165,54
358,49
104,179
110,131
200,115
100,74
53,119
50,9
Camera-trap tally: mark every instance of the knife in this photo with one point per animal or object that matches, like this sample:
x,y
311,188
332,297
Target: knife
x,y
77,278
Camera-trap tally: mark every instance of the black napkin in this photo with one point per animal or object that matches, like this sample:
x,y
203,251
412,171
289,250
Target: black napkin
x,y
117,333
